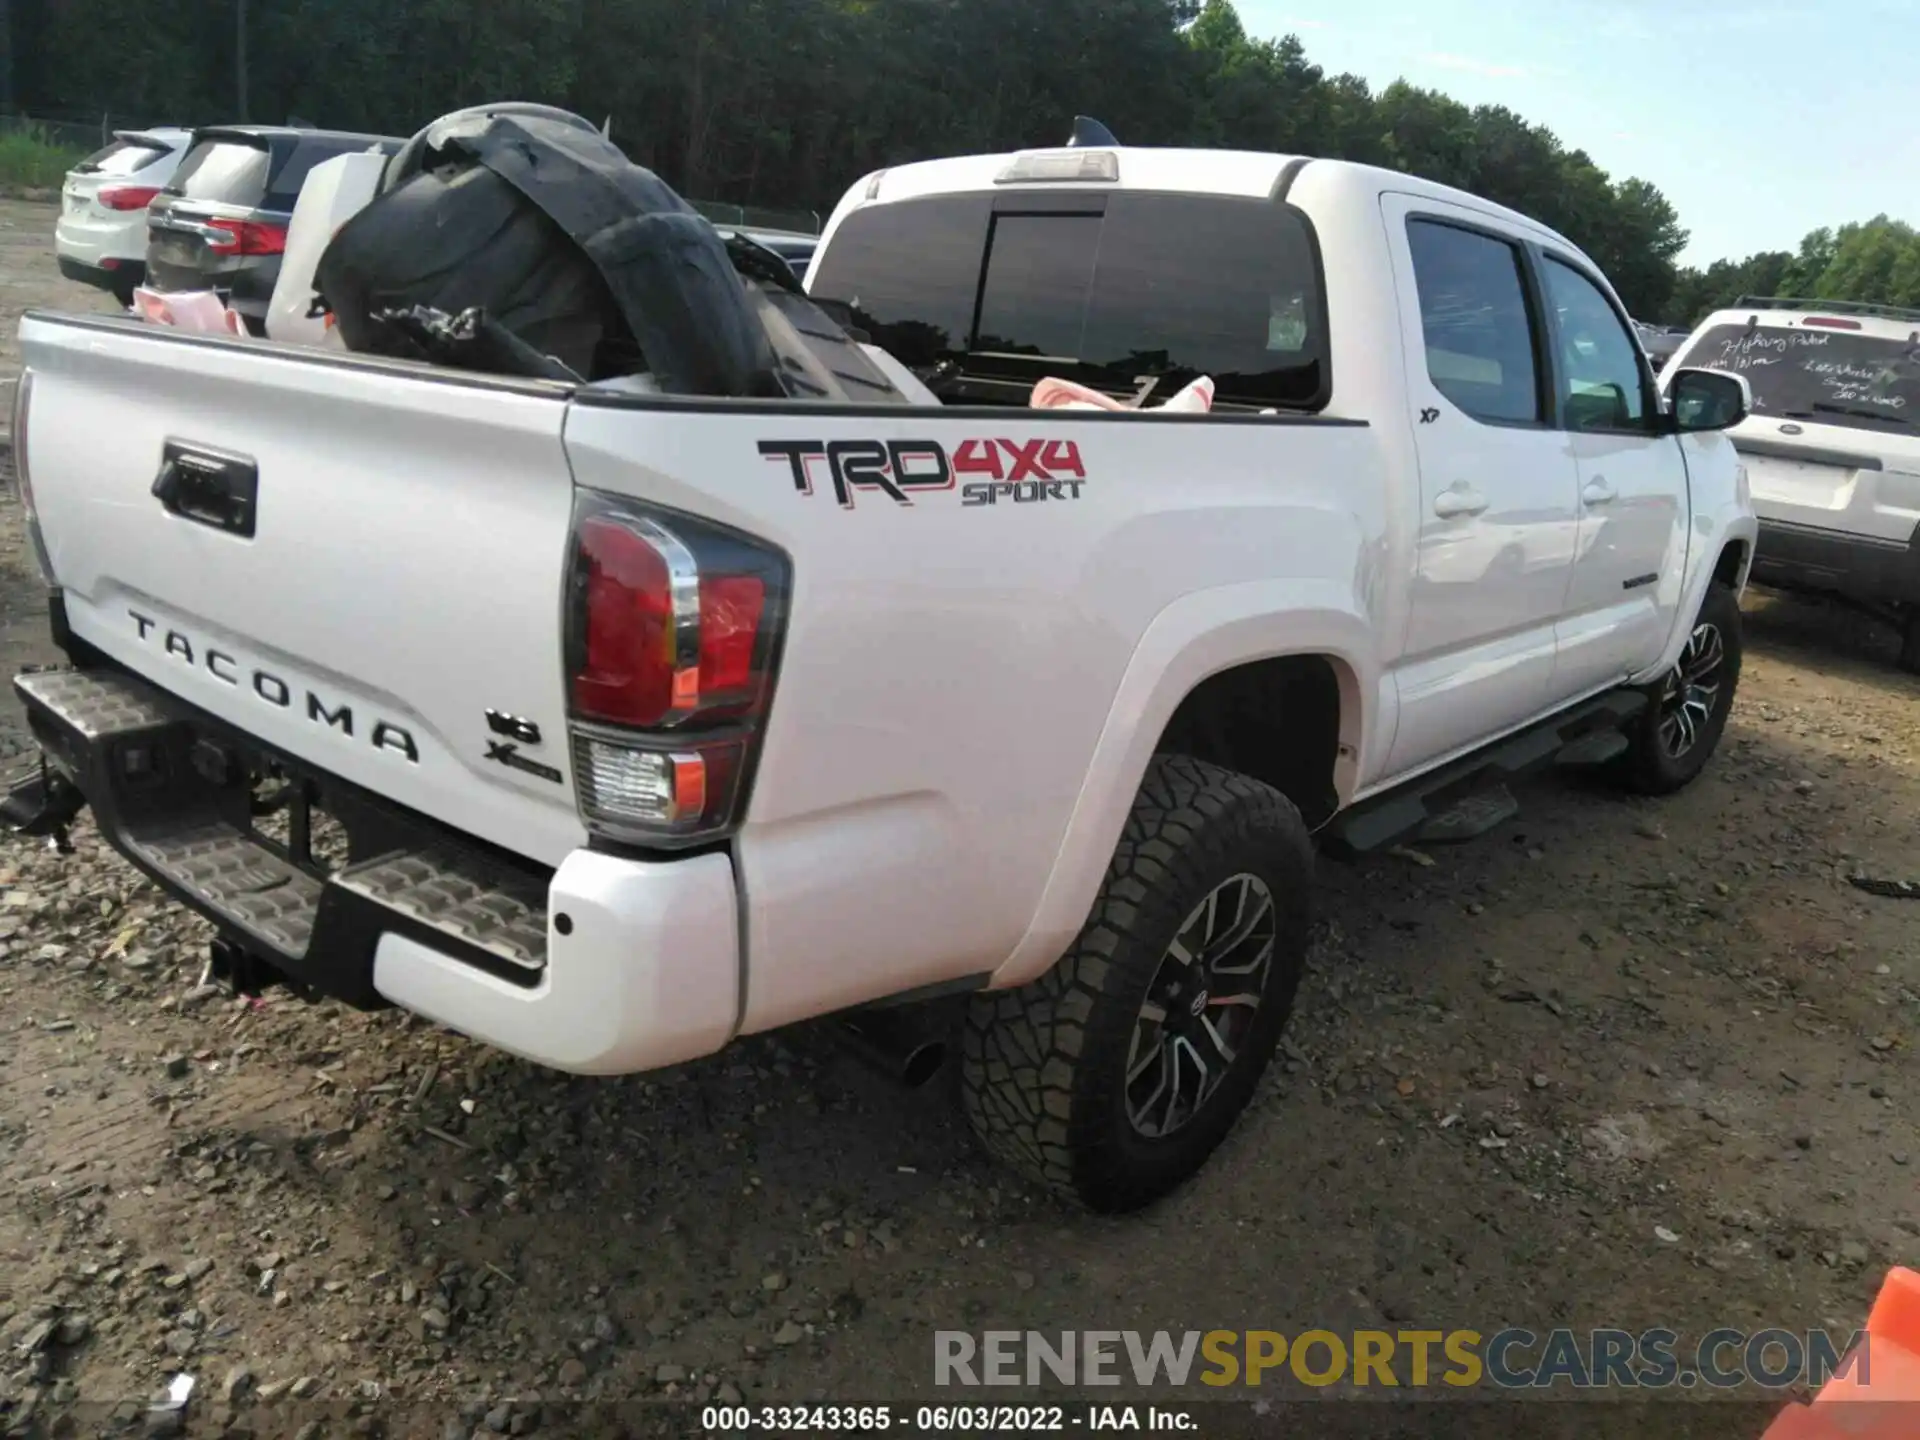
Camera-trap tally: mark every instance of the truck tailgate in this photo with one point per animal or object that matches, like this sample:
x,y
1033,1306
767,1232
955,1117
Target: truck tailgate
x,y
401,577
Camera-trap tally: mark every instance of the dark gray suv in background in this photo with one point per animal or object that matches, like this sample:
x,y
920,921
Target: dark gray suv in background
x,y
221,223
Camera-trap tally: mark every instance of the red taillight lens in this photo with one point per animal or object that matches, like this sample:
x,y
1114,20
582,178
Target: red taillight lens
x,y
249,237
127,197
1829,323
730,611
673,625
632,657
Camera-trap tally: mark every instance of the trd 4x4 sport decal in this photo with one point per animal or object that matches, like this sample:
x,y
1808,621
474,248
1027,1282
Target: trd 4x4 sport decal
x,y
1018,472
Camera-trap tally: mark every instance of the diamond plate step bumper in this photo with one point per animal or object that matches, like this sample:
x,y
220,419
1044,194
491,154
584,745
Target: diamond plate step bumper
x,y
95,705
170,790
237,880
460,895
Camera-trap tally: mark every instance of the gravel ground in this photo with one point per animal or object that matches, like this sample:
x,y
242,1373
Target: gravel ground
x,y
1617,1064
28,278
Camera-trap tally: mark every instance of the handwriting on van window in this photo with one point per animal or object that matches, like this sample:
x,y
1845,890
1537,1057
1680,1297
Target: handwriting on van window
x,y
1763,348
1840,381
1860,395
1851,384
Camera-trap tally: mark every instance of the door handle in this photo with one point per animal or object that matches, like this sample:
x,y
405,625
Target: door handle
x,y
1599,492
1457,500
208,487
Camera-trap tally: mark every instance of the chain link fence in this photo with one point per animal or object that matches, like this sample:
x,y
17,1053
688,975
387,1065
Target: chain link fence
x,y
69,132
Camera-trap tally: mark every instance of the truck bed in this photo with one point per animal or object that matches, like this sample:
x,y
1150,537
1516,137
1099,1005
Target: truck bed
x,y
988,609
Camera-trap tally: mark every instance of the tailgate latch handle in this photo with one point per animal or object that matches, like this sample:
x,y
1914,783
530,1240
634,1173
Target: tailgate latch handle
x,y
208,487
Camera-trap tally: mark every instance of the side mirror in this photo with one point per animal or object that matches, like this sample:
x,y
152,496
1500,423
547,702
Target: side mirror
x,y
1707,400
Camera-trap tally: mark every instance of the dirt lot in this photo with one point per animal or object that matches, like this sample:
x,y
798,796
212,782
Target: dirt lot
x,y
1618,1064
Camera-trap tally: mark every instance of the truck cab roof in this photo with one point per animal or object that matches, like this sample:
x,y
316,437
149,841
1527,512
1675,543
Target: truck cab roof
x,y
1249,174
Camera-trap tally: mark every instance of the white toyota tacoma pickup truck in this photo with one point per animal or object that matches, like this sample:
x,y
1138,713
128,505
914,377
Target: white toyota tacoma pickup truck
x,y
652,722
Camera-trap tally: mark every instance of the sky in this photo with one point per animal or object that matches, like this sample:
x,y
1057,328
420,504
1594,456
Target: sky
x,y
1758,119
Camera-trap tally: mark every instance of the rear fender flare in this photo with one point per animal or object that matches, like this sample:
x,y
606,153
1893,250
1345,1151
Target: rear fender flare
x,y
1194,638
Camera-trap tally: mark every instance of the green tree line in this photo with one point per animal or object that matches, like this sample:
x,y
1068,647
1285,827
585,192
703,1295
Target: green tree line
x,y
1877,262
784,103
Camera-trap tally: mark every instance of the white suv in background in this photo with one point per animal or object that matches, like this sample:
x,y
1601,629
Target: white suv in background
x,y
1831,448
101,236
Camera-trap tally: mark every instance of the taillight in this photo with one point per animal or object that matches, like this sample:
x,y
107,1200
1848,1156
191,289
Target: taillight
x,y
22,477
673,628
249,237
127,197
1829,323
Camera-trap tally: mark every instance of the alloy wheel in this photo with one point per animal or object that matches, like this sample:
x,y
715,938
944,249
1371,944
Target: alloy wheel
x,y
1200,1006
1692,691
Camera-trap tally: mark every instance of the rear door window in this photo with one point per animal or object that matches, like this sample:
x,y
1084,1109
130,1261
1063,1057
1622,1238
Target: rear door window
x,y
1156,290
1826,377
229,171
1479,329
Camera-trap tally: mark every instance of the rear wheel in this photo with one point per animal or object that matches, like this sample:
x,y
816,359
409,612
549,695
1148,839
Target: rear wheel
x,y
1910,640
1113,1077
1674,737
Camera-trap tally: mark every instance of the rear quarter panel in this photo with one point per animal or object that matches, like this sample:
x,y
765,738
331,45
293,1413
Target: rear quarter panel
x,y
950,670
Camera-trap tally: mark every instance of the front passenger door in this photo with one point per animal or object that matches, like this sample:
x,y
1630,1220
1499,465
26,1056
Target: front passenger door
x,y
1629,558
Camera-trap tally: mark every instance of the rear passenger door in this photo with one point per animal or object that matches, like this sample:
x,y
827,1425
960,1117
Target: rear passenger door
x,y
1627,573
1498,504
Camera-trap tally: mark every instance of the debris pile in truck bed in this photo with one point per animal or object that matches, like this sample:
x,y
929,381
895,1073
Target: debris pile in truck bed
x,y
529,244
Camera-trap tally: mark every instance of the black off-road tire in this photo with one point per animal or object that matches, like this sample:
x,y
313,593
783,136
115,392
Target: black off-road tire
x,y
1909,660
1649,767
1043,1067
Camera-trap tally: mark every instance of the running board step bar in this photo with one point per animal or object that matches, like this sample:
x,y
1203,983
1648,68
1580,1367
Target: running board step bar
x,y
1586,734
168,792
1471,818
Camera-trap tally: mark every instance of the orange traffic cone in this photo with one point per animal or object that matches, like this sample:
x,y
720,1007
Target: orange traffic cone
x,y
1879,1400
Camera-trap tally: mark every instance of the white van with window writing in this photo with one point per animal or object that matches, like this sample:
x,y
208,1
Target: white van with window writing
x,y
1832,447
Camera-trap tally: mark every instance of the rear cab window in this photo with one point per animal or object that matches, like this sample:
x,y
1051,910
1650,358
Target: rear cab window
x,y
1851,379
1130,292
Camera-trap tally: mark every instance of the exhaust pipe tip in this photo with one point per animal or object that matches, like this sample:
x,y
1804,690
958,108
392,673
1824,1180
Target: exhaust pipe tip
x,y
896,1043
922,1063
